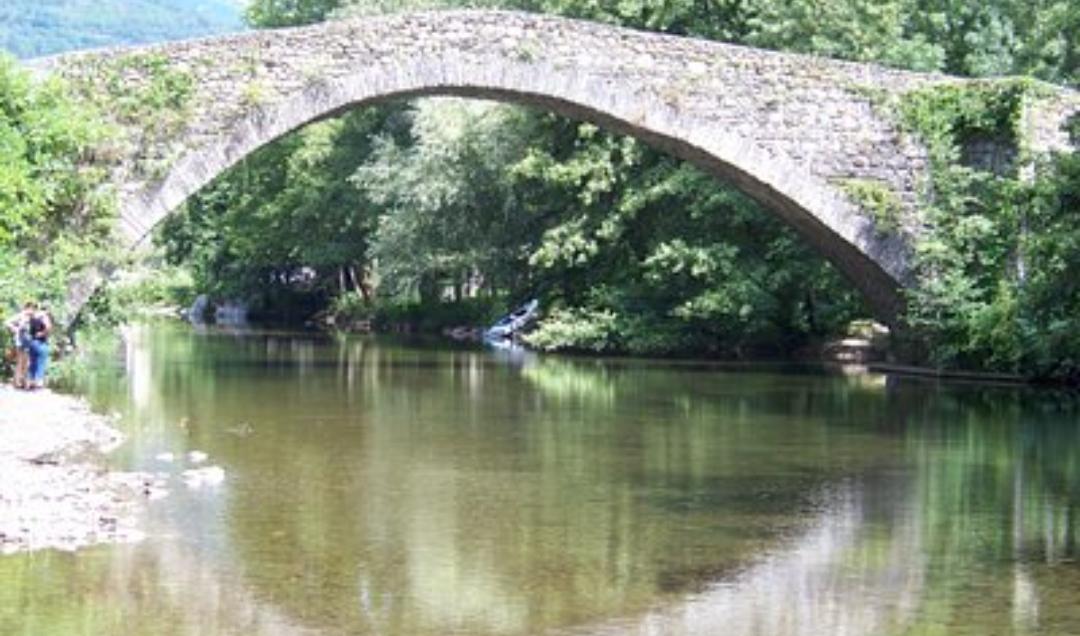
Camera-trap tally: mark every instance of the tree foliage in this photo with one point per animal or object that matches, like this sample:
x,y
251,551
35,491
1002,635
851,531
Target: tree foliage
x,y
1049,303
279,13
286,215
53,215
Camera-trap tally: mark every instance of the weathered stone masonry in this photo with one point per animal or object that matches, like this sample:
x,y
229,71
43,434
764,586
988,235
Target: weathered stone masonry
x,y
786,129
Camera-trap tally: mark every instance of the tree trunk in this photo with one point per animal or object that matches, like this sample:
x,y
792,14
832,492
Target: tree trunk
x,y
353,279
811,312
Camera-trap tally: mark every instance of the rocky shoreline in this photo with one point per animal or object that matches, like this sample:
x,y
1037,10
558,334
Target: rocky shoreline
x,y
55,491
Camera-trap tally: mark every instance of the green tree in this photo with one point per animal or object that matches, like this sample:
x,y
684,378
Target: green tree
x,y
448,212
281,13
1048,302
54,216
286,213
663,255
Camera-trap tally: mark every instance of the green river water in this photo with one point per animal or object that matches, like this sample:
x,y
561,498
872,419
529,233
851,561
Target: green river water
x,y
380,487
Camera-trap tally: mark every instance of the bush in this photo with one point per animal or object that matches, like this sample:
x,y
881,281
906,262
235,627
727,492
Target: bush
x,y
386,315
588,330
136,292
68,368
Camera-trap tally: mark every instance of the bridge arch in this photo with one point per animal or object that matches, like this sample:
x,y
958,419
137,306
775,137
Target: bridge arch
x,y
783,129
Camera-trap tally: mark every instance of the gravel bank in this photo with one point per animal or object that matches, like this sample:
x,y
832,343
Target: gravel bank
x,y
54,490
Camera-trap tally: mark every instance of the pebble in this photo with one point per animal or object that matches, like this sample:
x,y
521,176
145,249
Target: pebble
x,y
54,492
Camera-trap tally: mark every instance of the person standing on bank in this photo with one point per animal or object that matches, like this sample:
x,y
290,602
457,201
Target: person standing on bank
x,y
40,328
19,326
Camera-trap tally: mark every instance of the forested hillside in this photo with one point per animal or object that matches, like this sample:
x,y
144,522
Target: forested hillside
x,y
29,28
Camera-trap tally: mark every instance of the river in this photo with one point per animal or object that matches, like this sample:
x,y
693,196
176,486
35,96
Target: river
x,y
375,486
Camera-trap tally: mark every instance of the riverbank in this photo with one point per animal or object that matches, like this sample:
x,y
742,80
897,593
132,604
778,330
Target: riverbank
x,y
56,491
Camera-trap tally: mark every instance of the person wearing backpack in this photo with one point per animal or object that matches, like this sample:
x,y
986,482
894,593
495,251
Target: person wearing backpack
x,y
40,328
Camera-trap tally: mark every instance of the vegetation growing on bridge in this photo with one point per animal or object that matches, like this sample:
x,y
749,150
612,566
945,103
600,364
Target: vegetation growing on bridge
x,y
992,261
877,199
155,109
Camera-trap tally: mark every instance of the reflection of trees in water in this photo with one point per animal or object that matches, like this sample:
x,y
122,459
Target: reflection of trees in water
x,y
395,490
999,488
159,587
468,499
981,539
572,382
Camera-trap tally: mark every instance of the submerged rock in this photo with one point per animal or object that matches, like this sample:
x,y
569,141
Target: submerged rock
x,y
199,477
240,430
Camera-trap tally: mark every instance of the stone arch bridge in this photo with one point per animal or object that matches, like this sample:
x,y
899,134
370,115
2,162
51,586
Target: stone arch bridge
x,y
788,130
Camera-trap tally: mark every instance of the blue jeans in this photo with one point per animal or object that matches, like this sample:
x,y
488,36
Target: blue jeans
x,y
39,360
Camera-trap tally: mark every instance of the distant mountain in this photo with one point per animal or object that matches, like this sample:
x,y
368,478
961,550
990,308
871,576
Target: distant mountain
x,y
32,28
